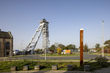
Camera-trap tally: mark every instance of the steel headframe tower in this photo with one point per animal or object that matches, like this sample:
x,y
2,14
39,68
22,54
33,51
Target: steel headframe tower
x,y
42,30
45,35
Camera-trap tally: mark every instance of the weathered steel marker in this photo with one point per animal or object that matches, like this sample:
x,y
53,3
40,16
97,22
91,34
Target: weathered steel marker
x,y
81,47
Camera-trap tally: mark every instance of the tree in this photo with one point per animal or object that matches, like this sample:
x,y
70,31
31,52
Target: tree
x,y
86,48
38,51
61,46
71,46
52,48
97,47
107,43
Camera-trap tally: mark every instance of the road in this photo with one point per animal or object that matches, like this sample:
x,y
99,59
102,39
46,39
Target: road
x,y
30,57
86,56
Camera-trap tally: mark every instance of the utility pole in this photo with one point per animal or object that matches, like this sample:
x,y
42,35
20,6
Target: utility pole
x,y
102,38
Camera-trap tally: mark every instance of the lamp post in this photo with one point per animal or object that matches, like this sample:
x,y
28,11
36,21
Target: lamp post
x,y
102,38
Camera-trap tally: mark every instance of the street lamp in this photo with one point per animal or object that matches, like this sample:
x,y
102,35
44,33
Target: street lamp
x,y
102,38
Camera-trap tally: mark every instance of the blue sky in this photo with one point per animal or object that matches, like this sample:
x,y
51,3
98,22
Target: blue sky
x,y
65,18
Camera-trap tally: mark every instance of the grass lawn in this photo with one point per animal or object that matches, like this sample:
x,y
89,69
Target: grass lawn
x,y
60,60
106,54
6,65
95,53
46,64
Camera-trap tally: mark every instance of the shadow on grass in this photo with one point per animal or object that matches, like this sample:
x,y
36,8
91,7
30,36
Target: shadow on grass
x,y
93,67
97,66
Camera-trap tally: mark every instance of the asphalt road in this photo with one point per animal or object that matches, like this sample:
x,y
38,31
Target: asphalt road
x,y
30,57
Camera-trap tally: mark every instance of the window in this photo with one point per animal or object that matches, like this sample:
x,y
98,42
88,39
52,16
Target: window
x,y
7,48
7,45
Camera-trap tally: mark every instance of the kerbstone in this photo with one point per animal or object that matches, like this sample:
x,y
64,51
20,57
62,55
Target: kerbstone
x,y
54,67
25,67
69,67
37,67
13,68
86,67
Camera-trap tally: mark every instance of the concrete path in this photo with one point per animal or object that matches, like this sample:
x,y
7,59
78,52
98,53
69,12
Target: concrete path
x,y
103,70
47,72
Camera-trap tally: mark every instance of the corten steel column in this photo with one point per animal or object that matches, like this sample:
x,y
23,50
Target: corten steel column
x,y
81,47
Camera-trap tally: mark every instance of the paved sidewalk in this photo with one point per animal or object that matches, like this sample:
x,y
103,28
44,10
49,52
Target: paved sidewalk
x,y
49,72
103,70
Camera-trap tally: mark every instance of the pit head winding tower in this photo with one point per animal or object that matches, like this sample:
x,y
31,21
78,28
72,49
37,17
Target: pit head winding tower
x,y
45,33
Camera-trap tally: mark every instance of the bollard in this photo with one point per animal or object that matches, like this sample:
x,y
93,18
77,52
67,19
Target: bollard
x,y
86,67
69,67
37,67
54,67
25,67
13,68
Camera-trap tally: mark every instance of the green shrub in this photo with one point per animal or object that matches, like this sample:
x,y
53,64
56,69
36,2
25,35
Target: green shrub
x,y
59,50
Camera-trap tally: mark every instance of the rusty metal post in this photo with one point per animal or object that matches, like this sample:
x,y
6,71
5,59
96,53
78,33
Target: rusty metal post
x,y
81,47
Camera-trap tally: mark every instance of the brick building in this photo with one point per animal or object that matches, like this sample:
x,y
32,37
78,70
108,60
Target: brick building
x,y
6,44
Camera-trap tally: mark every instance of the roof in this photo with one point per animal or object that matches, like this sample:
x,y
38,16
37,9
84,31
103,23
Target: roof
x,y
7,35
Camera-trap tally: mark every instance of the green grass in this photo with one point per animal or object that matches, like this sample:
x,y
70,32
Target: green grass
x,y
6,65
35,60
18,56
106,54
46,65
95,53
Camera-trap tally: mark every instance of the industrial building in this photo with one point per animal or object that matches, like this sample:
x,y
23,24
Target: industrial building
x,y
6,44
